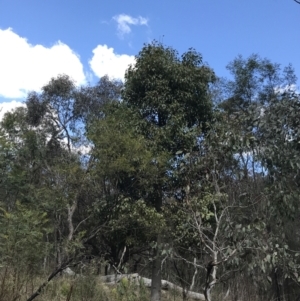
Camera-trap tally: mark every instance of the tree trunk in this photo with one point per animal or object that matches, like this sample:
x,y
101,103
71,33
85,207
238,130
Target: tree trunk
x,y
211,278
157,260
71,210
156,272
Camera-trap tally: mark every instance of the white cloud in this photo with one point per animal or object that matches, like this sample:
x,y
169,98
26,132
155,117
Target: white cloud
x,y
26,67
9,106
124,22
106,62
286,88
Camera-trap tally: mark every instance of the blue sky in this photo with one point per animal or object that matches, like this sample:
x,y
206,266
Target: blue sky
x,y
86,39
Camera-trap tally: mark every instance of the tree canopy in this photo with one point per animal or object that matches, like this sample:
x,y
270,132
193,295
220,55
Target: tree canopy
x,y
174,174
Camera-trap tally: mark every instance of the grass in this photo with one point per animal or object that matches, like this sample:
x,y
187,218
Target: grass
x,y
90,288
18,287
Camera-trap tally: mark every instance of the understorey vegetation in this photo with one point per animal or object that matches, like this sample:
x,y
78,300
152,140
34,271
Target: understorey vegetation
x,y
174,185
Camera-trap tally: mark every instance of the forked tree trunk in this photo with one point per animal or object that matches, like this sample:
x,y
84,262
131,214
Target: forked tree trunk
x,y
211,277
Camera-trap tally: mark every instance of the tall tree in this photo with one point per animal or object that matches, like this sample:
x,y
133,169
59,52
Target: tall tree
x,y
263,105
170,94
126,169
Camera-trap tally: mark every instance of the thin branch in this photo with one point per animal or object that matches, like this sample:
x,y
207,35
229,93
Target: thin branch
x,y
81,223
57,271
62,267
122,257
189,262
194,276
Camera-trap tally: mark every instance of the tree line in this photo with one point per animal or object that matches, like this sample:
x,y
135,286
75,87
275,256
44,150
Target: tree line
x,y
174,174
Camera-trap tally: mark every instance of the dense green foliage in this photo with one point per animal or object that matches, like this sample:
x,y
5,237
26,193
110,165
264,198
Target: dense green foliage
x,y
175,174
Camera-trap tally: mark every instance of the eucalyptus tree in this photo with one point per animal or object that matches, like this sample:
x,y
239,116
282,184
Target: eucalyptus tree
x,y
42,167
23,219
125,171
263,103
170,95
240,183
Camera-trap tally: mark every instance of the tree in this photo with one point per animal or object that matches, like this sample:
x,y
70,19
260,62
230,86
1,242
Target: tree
x,y
263,104
231,213
126,169
43,170
170,94
166,175
24,220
